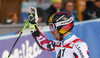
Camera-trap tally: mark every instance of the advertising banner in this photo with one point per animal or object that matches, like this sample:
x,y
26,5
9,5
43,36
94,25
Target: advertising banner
x,y
26,47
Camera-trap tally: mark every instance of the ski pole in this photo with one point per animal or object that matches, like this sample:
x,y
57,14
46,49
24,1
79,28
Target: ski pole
x,y
27,22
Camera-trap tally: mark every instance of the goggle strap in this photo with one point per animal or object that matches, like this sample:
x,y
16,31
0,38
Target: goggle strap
x,y
64,22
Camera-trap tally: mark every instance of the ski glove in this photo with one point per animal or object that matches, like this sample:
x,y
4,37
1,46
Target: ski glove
x,y
32,15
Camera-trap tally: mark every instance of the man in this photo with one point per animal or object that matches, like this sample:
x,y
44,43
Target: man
x,y
55,7
69,7
66,44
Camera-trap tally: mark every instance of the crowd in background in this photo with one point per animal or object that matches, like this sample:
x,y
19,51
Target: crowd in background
x,y
57,7
92,11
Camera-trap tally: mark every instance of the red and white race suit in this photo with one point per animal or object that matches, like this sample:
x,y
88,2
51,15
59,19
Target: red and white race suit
x,y
70,47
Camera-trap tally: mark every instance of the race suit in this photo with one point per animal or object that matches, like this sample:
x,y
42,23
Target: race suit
x,y
70,47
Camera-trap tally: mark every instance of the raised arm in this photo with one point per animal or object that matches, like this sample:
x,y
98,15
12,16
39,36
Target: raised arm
x,y
41,40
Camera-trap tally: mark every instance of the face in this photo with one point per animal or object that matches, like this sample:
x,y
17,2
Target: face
x,y
56,34
69,6
57,5
15,17
97,4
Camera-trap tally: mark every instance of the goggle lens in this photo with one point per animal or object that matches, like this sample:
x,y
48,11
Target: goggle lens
x,y
51,26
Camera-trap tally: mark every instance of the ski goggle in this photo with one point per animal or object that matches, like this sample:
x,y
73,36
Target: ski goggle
x,y
52,27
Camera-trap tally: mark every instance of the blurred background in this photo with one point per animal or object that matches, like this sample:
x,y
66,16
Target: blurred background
x,y
13,15
18,9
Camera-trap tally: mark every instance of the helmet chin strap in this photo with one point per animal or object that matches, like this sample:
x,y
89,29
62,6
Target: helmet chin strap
x,y
61,37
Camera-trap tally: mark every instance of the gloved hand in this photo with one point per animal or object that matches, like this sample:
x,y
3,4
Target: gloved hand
x,y
32,15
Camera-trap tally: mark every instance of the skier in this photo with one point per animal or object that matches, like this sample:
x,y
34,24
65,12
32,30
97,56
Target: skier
x,y
66,44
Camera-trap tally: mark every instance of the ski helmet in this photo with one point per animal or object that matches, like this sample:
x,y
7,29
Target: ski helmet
x,y
61,21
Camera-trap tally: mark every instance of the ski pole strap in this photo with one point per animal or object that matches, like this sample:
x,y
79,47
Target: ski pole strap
x,y
32,27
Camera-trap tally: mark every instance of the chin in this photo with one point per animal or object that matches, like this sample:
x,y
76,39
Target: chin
x,y
56,38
